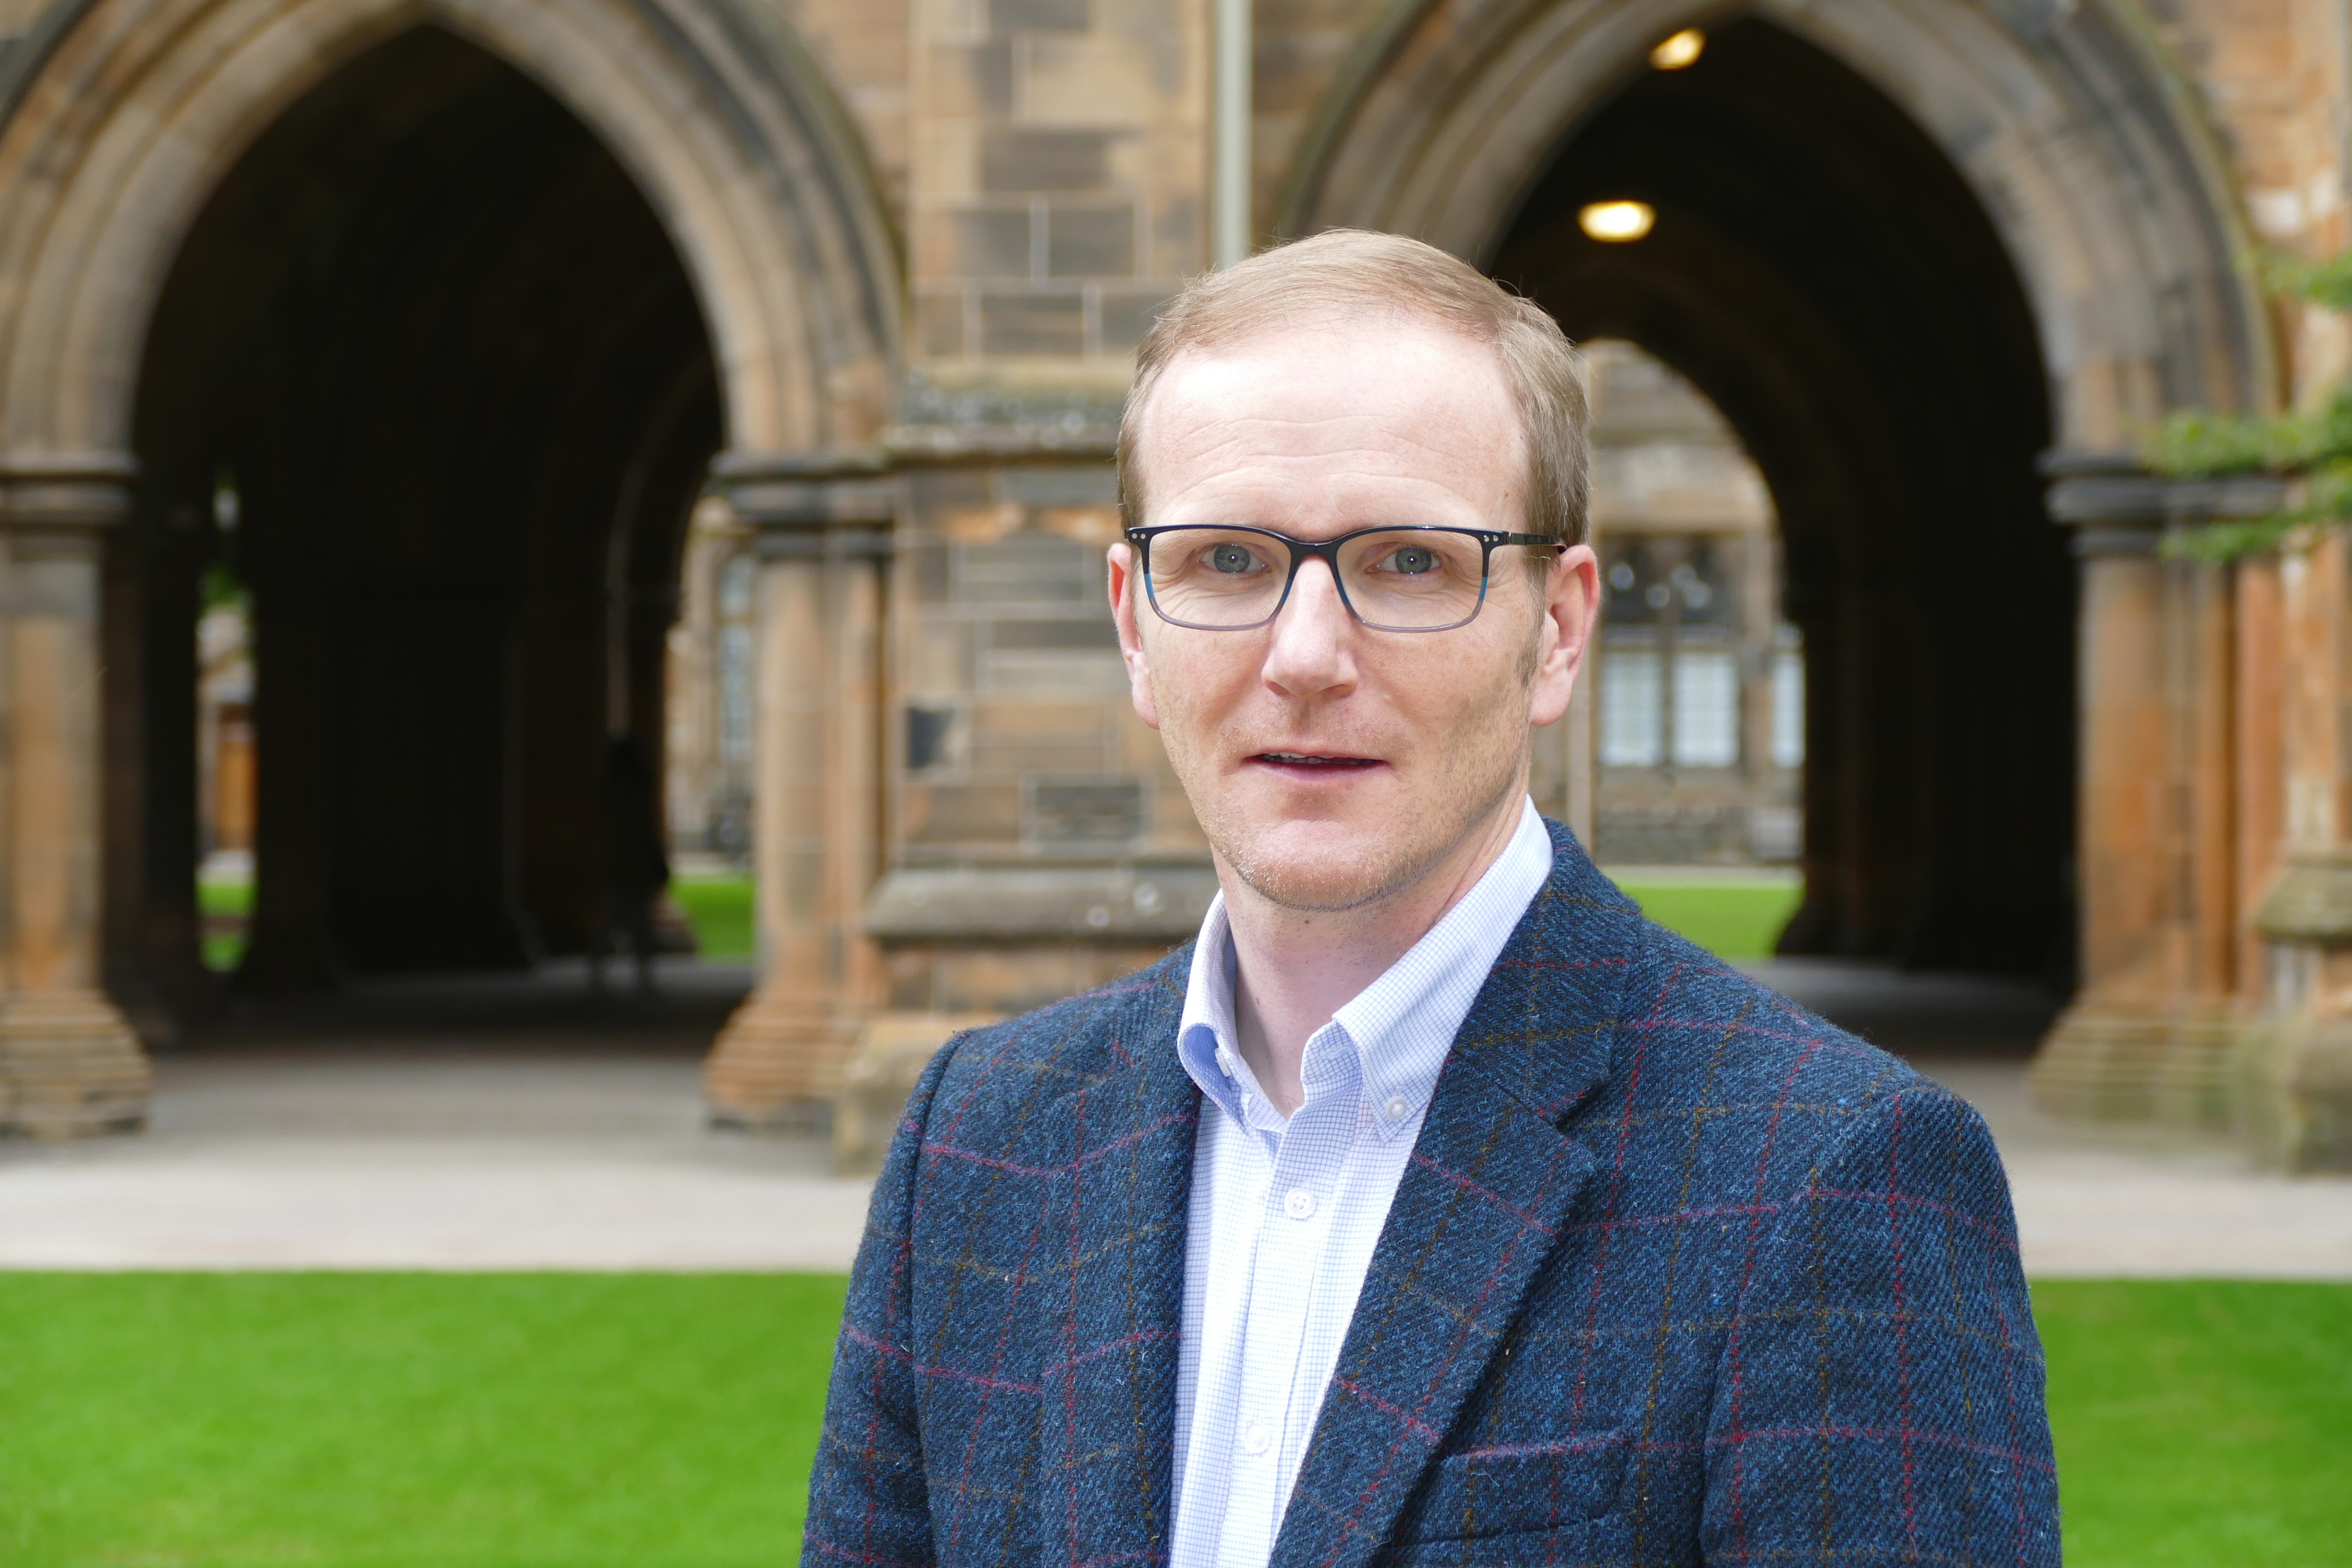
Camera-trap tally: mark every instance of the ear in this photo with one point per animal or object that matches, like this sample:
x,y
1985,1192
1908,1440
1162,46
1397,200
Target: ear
x,y
1124,592
1571,607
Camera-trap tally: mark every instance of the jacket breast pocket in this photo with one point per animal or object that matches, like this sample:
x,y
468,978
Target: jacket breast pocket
x,y
1519,1491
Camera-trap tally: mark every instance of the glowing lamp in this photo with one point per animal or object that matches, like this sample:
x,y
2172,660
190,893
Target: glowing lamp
x,y
1616,222
1681,50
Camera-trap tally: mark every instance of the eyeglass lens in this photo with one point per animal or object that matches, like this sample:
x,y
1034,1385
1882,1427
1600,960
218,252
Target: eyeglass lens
x,y
1407,580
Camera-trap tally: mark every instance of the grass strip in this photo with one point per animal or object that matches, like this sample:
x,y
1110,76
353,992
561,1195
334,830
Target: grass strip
x,y
1730,920
720,909
409,1420
668,1421
2202,1422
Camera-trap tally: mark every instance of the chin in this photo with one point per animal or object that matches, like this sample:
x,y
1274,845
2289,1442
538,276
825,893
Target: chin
x,y
1326,877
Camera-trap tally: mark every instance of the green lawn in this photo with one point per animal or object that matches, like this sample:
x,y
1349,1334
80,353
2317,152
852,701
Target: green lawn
x,y
2201,1424
659,1421
1731,918
408,1421
721,910
225,904
719,906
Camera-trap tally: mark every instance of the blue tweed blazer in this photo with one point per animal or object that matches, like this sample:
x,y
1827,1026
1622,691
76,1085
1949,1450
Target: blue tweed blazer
x,y
1677,1273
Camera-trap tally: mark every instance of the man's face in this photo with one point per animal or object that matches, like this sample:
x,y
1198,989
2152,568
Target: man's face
x,y
1332,766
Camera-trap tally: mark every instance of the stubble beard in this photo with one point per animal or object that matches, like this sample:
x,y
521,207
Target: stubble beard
x,y
1482,763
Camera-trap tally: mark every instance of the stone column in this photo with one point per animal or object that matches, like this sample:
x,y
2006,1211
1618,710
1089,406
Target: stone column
x,y
2150,1034
823,532
2296,1084
69,1065
2258,749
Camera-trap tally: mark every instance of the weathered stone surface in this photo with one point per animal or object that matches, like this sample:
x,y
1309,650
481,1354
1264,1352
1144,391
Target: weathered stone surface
x,y
1126,904
925,236
2310,902
890,1056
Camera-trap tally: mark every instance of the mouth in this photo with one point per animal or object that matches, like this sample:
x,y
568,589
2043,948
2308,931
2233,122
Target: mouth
x,y
1313,762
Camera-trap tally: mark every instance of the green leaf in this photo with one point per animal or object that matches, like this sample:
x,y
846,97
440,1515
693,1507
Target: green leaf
x,y
2327,282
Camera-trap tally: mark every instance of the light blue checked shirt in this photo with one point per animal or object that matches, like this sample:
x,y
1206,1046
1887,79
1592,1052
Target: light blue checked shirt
x,y
1286,1212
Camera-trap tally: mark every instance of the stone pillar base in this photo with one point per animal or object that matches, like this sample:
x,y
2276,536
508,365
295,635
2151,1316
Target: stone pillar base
x,y
891,1054
2295,1093
69,1067
777,1064
2167,1064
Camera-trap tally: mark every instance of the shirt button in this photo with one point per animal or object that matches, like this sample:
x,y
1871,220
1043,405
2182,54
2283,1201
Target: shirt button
x,y
1254,1438
1298,1203
1396,1108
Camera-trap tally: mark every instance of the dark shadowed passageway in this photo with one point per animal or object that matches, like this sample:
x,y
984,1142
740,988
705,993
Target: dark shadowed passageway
x,y
429,382
1823,274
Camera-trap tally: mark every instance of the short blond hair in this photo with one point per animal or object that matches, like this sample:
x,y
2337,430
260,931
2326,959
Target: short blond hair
x,y
1345,274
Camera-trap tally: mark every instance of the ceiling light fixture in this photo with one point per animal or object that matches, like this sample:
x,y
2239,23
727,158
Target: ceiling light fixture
x,y
1616,222
1682,49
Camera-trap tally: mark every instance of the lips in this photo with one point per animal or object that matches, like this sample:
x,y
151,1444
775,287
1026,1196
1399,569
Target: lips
x,y
1306,760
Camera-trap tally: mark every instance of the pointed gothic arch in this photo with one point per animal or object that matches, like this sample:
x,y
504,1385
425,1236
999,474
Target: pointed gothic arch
x,y
122,116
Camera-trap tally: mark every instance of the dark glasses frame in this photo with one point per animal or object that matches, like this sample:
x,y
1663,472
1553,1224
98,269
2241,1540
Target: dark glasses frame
x,y
1327,552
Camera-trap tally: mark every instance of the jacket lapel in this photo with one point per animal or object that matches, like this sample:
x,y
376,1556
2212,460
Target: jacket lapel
x,y
1118,1202
1491,1184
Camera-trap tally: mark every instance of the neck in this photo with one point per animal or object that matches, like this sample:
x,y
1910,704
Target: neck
x,y
1297,967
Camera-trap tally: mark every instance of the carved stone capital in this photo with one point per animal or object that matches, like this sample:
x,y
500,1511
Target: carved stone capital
x,y
2116,507
2296,1092
65,493
2309,902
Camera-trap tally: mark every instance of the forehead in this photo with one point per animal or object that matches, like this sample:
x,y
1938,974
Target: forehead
x,y
1363,398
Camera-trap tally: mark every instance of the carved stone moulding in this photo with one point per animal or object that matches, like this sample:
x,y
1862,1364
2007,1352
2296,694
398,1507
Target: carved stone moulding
x,y
2294,1063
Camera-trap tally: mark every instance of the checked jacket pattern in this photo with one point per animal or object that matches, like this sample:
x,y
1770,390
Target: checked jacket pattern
x,y
1677,1273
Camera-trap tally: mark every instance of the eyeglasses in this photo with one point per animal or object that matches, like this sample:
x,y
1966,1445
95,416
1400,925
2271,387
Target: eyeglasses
x,y
1408,579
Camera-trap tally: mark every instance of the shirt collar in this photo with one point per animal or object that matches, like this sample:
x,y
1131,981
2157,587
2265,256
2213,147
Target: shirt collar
x,y
1403,1024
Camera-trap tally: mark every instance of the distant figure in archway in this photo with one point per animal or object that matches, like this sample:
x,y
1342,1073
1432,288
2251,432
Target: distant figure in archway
x,y
633,867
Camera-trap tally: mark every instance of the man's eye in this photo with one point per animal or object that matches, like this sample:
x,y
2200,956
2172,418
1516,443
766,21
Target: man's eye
x,y
1412,560
1231,558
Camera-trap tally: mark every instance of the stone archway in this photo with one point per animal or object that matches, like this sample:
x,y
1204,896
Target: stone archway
x,y
2069,126
122,118
1910,250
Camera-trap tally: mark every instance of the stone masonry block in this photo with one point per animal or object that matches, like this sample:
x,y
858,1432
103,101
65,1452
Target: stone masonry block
x,y
1091,80
965,813
1012,756
1059,631
974,242
1179,238
1032,323
1127,316
1040,719
948,159
971,81
1021,160
1090,242
1062,485
939,323
1040,16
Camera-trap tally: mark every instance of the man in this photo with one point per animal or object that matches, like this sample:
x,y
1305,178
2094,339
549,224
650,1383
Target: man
x,y
1433,1207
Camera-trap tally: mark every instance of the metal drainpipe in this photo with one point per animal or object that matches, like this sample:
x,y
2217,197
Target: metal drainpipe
x,y
1229,220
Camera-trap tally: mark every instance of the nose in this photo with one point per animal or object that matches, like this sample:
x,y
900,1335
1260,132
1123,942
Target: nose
x,y
1311,652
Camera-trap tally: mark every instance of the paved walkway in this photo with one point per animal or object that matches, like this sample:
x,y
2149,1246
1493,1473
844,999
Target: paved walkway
x,y
525,1124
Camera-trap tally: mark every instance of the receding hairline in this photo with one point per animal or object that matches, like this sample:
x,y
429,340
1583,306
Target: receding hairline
x,y
1332,281
1322,318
